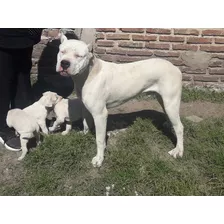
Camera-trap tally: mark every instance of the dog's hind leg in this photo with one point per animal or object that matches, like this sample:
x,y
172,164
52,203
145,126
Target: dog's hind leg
x,y
23,142
172,106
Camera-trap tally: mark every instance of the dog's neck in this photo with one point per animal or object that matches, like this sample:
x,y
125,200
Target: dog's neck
x,y
86,74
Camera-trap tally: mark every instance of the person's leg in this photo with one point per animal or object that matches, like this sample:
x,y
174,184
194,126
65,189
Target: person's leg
x,y
7,85
23,63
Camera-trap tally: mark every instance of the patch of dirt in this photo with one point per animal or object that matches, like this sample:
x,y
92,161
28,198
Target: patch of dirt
x,y
200,109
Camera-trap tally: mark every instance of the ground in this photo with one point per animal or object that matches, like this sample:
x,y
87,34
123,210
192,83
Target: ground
x,y
136,161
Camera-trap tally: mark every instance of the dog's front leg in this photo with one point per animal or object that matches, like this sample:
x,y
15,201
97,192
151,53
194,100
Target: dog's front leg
x,y
23,147
55,125
100,121
68,128
43,127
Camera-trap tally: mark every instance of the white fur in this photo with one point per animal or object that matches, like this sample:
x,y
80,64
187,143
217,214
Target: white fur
x,y
102,85
25,126
40,109
64,113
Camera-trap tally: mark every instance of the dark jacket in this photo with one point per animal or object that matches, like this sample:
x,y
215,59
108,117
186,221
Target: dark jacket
x,y
19,37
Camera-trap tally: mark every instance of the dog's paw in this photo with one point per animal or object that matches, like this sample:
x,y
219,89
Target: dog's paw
x,y
64,133
97,161
21,158
176,152
51,129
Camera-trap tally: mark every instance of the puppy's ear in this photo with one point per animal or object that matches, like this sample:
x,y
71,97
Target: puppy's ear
x,y
46,101
45,93
63,37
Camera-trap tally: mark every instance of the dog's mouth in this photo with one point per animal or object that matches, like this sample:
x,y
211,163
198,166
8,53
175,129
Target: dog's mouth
x,y
64,73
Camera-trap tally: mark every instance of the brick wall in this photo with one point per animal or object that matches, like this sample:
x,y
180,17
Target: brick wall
x,y
199,53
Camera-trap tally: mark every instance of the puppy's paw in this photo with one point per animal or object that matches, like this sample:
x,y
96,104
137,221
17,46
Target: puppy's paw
x,y
64,133
51,129
176,152
97,161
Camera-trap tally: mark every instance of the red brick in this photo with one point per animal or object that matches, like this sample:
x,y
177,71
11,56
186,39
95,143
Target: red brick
x,y
139,52
158,46
187,77
189,70
105,43
207,78
219,40
186,47
100,50
194,32
144,37
216,48
122,58
216,71
131,44
107,57
213,32
177,62
158,30
171,39
218,55
133,30
118,51
216,63
117,36
100,36
105,29
199,40
166,54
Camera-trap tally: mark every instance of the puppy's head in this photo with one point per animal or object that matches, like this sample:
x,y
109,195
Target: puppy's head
x,y
50,99
73,56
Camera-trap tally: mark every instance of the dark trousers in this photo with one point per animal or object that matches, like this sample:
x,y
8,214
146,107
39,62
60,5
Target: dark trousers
x,y
15,86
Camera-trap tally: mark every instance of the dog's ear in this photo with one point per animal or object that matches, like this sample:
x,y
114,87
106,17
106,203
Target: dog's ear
x,y
90,47
63,38
46,101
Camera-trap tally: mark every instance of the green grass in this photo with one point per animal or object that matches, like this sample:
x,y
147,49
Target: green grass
x,y
136,160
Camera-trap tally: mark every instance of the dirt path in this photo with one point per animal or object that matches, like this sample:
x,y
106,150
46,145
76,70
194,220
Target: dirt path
x,y
200,109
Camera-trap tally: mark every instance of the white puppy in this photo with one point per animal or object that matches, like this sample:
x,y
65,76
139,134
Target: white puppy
x,y
102,85
67,110
24,125
41,108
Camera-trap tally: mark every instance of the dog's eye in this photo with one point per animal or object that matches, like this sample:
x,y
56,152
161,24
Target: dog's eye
x,y
63,52
78,56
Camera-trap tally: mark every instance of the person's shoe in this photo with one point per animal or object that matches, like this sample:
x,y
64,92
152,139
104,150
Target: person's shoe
x,y
10,140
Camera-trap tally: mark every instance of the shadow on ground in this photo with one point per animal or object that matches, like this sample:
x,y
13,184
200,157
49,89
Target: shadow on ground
x,y
125,120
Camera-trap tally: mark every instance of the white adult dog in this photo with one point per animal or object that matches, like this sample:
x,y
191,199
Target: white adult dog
x,y
102,85
67,110
25,125
42,107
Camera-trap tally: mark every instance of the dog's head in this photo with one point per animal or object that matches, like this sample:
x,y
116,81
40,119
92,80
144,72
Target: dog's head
x,y
50,99
73,56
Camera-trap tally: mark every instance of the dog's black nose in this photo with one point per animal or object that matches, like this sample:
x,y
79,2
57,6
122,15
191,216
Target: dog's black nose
x,y
65,64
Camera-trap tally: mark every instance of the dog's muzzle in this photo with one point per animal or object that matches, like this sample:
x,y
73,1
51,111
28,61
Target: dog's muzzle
x,y
65,64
